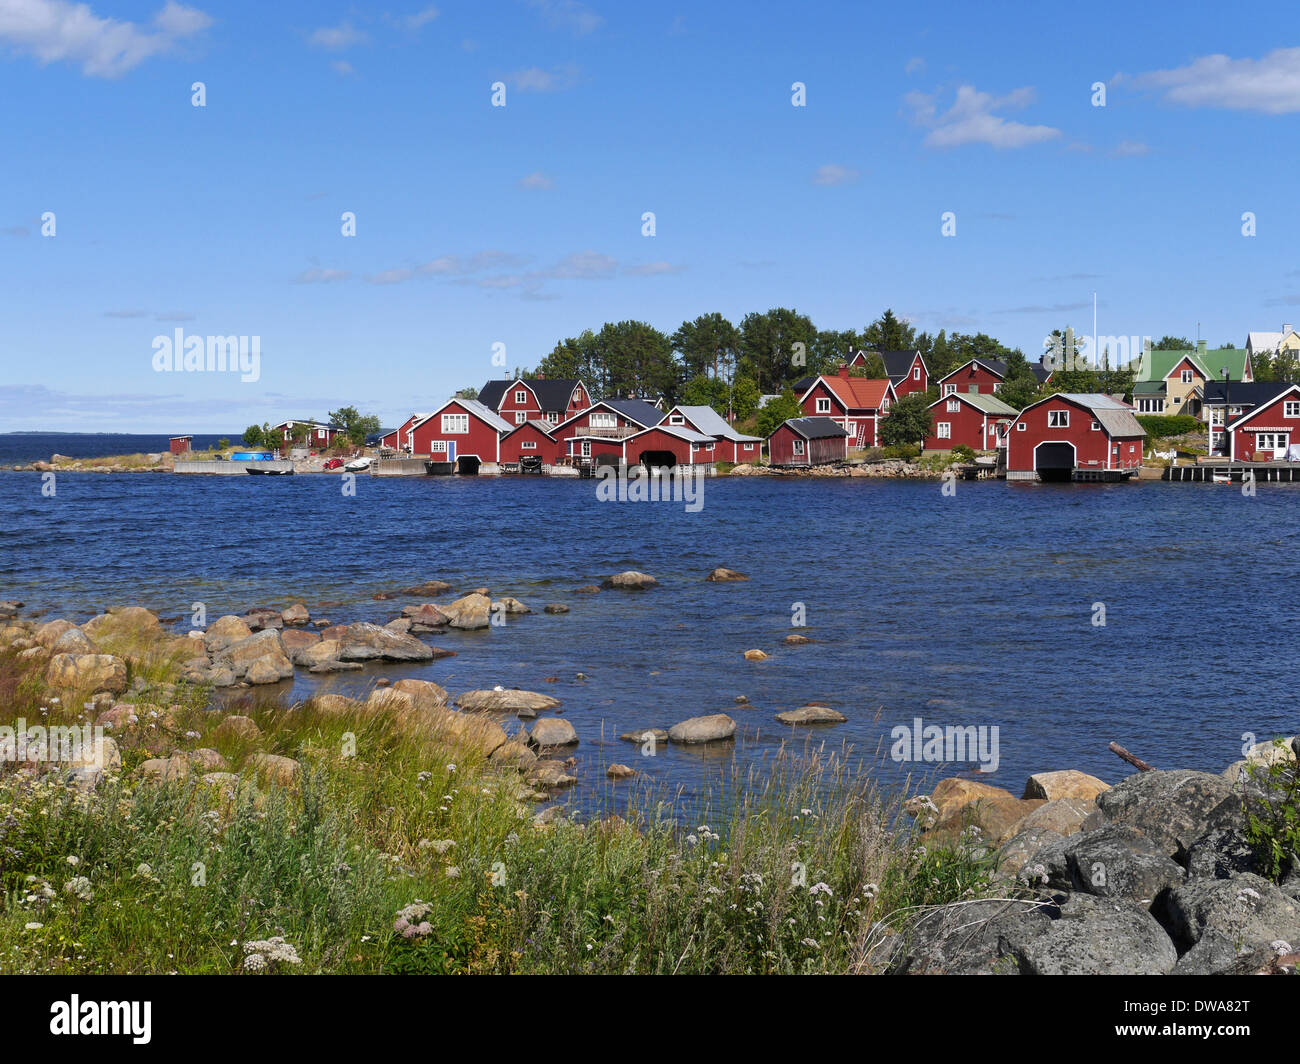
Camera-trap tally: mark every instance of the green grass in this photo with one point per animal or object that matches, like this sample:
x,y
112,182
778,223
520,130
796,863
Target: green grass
x,y
797,864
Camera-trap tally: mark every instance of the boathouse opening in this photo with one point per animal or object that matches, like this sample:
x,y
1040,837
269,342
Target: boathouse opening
x,y
467,465
1054,462
658,459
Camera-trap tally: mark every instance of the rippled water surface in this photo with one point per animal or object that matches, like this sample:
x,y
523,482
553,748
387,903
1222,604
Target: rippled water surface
x,y
971,610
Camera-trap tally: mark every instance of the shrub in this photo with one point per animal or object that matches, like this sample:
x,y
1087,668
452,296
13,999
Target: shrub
x,y
1273,818
1162,426
905,451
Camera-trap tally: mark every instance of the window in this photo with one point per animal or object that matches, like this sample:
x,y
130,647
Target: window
x,y
455,423
602,420
1058,419
1270,441
521,396
586,448
950,389
885,404
953,405
944,430
521,416
798,446
553,417
1096,426
1292,408
1186,376
974,389
852,428
528,445
749,446
916,373
1020,427
438,447
823,406
677,419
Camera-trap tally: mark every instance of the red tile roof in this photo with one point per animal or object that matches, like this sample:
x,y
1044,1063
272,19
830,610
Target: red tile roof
x,y
858,393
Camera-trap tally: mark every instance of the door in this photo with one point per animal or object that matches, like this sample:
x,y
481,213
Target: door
x,y
451,451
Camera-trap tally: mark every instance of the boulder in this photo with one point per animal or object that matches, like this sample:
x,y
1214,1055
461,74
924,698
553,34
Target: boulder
x,y
263,617
422,691
332,705
274,769
515,754
722,576
49,632
469,612
952,792
711,728
551,775
971,938
1068,783
1065,816
295,642
224,631
555,607
1244,908
587,589
1219,954
811,715
995,819
1016,853
505,701
425,618
205,759
157,769
510,605
1094,936
86,672
1221,854
553,731
237,729
259,659
1117,862
1172,808
73,641
429,587
756,655
794,639
644,735
86,772
617,771
372,642
295,615
631,580
471,732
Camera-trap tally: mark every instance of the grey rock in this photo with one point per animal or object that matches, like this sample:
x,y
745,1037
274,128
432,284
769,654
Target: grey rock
x,y
1172,808
971,938
553,731
1218,954
712,728
1100,936
1220,854
1115,862
1245,908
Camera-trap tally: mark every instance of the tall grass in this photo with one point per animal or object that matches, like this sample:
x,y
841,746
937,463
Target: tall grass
x,y
399,850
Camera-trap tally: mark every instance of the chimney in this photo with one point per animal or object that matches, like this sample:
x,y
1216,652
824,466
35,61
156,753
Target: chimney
x,y
844,372
1287,329
1200,347
541,376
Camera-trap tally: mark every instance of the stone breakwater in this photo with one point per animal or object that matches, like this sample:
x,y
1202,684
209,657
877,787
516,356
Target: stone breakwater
x,y
1153,876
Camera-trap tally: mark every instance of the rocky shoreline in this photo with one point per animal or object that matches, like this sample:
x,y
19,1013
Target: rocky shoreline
x,y
1158,874
1153,876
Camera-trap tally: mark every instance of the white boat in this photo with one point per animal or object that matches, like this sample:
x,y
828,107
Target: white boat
x,y
357,465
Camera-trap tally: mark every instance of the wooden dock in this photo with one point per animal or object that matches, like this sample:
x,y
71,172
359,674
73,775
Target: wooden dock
x,y
1236,472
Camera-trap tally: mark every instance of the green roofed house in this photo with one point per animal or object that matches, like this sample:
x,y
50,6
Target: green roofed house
x,y
1173,382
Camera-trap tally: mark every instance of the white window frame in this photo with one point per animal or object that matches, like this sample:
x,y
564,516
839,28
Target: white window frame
x,y
954,406
603,419
950,389
1291,408
437,446
916,373
1096,426
521,395
1020,426
1186,376
1058,419
521,416
528,445
943,430
798,447
749,447
677,419
455,424
823,406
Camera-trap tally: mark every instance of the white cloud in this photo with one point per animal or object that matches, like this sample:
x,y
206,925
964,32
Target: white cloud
x,y
535,79
834,174
915,65
536,179
568,15
337,38
55,31
1270,85
416,21
971,119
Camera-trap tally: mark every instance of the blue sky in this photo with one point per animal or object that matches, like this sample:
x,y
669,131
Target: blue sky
x,y
522,224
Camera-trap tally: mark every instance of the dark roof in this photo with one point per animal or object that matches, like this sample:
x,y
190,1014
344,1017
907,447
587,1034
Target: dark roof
x,y
552,392
637,410
1245,393
999,367
816,428
1040,371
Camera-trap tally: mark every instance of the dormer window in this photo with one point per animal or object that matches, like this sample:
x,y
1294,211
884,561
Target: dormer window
x,y
1187,376
823,406
521,396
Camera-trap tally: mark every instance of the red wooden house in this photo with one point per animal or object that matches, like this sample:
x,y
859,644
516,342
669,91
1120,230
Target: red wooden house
x,y
858,404
1269,430
732,446
180,444
985,375
1075,437
400,438
311,433
906,370
599,430
973,420
808,441
667,445
532,439
535,399
461,431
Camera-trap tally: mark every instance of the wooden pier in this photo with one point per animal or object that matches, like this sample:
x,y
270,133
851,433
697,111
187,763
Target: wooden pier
x,y
1235,472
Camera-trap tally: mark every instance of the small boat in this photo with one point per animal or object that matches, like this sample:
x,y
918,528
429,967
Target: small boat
x,y
259,470
1221,478
357,465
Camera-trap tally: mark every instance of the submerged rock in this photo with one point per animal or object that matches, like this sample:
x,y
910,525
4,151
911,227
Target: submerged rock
x,y
631,580
712,728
